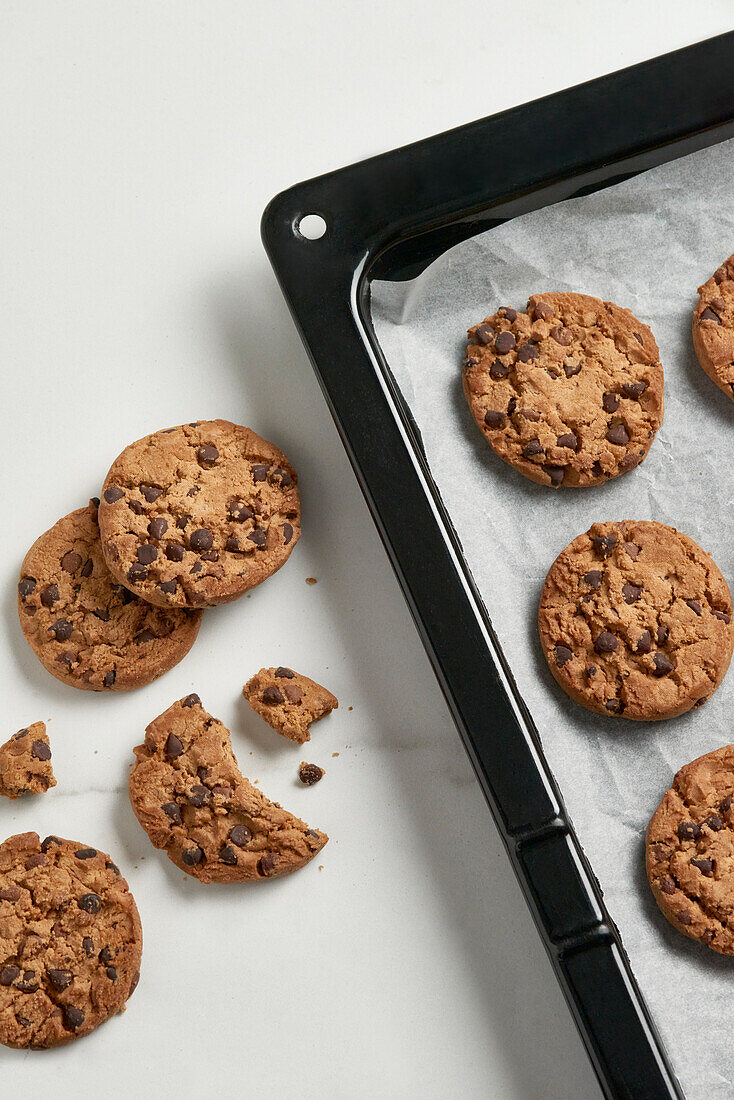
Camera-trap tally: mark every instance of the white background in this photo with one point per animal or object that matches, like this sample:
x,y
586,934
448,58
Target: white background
x,y
139,144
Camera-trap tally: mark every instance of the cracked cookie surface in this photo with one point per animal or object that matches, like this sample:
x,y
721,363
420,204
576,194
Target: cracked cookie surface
x,y
70,941
689,851
192,800
288,701
196,515
713,327
86,629
25,763
635,620
569,392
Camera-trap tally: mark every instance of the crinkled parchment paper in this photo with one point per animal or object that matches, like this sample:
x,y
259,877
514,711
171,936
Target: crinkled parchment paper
x,y
647,244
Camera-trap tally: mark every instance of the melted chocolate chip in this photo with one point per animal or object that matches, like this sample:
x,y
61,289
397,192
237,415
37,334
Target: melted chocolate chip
x,y
73,1017
175,552
284,673
532,448
266,865
259,536
287,533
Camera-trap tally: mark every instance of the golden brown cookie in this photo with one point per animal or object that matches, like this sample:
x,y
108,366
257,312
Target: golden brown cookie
x,y
636,620
25,763
190,797
689,854
713,327
197,515
87,629
288,702
569,392
70,941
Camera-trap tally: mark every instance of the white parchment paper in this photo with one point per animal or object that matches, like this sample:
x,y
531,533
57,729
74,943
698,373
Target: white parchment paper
x,y
646,244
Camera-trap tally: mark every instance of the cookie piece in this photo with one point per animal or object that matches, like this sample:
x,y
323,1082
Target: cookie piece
x,y
569,392
70,941
190,797
288,701
196,515
636,619
85,628
310,773
689,851
713,327
25,763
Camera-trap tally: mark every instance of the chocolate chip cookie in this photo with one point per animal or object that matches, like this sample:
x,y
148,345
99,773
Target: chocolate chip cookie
x,y
636,620
190,797
288,702
570,392
689,852
713,327
70,941
197,515
25,763
87,629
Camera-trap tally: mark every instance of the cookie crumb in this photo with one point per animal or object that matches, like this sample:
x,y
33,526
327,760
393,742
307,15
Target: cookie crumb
x,y
310,773
335,754
311,580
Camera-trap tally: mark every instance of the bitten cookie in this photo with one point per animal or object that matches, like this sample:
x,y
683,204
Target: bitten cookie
x,y
288,702
713,327
25,763
569,392
190,797
197,515
70,941
636,619
689,854
85,628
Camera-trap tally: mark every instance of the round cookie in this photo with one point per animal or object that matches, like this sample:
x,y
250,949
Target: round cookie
x,y
85,628
636,620
713,327
70,944
689,852
192,800
197,515
568,393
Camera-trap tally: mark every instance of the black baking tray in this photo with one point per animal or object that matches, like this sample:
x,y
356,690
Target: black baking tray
x,y
387,218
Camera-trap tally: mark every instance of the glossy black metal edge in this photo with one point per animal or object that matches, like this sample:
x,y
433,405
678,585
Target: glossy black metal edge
x,y
368,208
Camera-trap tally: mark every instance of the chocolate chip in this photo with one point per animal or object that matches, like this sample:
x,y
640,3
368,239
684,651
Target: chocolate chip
x,y
532,447
174,747
529,414
207,455
282,476
38,859
228,855
48,841
605,642
157,527
498,370
709,315
266,864
169,587
50,595
555,473
684,917
610,402
40,750
192,856
232,545
618,434
238,511
259,471
8,974
571,369
705,866
310,774
86,853
109,678
714,822
511,406
192,700
688,830
568,440
259,536
508,313
293,693
644,642
562,335
136,573
504,343
73,1017
604,544
196,567
667,884
615,706
136,507
144,636
484,334
634,389
170,809
88,945
272,695
528,353
590,670
562,654
90,903
111,973
593,578
723,616
202,539
694,606
209,555
26,585
199,796
113,494
61,630
71,561
542,311
146,554
284,673
632,550
175,552
631,592
10,893
150,492
662,635
241,836
112,867
725,804
494,419
662,665
193,491
287,533
60,979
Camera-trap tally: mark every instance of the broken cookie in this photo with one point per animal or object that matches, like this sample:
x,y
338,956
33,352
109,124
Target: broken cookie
x,y
288,702
25,763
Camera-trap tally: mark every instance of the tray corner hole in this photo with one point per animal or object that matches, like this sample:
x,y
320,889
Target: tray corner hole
x,y
310,226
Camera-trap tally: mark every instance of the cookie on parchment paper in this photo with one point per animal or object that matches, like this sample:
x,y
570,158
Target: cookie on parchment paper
x,y
569,392
713,327
635,620
196,515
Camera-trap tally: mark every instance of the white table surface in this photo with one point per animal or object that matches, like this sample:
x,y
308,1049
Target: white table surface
x,y
139,144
